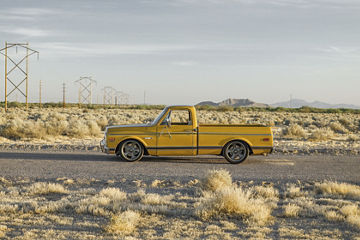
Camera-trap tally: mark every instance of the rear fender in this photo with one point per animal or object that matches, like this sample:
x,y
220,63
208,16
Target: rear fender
x,y
237,139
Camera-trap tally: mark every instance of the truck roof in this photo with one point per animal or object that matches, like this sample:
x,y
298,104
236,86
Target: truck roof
x,y
180,106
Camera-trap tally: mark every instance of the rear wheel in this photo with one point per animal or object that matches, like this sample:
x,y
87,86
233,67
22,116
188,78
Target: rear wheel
x,y
236,152
131,150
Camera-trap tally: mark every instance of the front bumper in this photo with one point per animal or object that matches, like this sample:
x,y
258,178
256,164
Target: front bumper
x,y
104,148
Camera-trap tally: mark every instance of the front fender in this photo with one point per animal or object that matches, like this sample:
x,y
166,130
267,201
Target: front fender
x,y
133,138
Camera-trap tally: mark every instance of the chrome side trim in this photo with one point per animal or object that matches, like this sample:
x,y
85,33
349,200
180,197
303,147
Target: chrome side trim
x,y
132,134
184,147
233,134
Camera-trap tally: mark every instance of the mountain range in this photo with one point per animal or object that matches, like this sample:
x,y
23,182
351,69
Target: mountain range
x,y
234,102
294,103
297,103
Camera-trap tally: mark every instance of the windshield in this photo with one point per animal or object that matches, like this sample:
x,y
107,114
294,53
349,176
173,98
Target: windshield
x,y
158,117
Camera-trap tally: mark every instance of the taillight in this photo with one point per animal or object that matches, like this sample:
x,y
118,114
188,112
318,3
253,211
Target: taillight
x,y
111,139
266,139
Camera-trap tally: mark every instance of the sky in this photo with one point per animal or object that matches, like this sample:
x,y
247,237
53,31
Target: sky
x,y
187,51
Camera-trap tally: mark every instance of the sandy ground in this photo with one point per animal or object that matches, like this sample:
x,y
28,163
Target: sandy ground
x,y
47,195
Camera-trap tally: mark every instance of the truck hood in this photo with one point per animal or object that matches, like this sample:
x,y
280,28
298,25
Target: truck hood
x,y
130,128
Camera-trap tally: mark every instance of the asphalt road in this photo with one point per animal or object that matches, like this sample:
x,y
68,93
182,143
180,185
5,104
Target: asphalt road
x,y
43,165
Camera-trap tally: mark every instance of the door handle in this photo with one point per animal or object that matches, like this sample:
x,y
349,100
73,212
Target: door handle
x,y
191,130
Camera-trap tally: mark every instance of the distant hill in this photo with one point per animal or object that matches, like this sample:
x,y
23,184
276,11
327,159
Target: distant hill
x,y
234,103
297,103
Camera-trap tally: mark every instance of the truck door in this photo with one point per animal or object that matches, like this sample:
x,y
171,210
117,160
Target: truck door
x,y
176,134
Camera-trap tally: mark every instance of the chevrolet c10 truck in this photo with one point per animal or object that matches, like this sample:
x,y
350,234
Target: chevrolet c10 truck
x,y
176,132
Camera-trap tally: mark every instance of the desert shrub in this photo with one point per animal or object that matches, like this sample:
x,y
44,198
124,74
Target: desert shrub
x,y
124,223
352,214
344,189
113,194
291,210
42,188
337,127
294,130
216,179
321,134
18,128
156,199
234,201
266,192
333,216
353,138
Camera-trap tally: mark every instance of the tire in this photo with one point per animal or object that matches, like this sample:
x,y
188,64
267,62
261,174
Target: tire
x,y
236,152
131,150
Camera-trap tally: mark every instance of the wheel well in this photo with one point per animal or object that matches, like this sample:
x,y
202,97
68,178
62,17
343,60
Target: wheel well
x,y
238,140
118,146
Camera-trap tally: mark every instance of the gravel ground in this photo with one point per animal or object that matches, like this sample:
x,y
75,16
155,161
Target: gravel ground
x,y
85,174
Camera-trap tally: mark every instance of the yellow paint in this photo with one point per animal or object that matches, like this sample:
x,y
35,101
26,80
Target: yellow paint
x,y
162,140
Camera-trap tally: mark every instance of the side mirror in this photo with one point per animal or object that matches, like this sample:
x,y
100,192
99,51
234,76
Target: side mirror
x,y
168,122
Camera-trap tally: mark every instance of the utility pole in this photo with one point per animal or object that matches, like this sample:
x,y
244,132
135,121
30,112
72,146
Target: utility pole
x,y
63,95
144,97
17,65
40,94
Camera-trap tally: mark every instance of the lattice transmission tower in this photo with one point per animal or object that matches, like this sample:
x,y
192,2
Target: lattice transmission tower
x,y
108,95
85,90
16,74
121,98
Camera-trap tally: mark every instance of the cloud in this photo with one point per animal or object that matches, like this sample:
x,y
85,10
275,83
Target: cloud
x,y
27,14
27,32
185,63
280,3
98,49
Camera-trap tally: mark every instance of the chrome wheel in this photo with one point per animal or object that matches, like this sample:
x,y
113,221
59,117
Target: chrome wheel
x,y
131,150
236,152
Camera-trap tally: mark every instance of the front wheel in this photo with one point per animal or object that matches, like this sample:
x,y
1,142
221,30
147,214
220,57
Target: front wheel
x,y
236,152
131,150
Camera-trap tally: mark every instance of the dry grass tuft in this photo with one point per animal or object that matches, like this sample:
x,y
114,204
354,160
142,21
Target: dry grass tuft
x,y
344,189
3,230
42,188
352,214
216,180
295,131
234,201
333,216
267,192
321,134
338,128
156,199
291,210
157,183
114,194
124,223
294,191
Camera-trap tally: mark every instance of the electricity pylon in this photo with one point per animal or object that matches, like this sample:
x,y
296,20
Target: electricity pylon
x,y
121,98
85,90
19,68
108,96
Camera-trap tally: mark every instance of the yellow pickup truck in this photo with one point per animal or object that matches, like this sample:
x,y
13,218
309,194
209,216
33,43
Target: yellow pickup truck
x,y
176,132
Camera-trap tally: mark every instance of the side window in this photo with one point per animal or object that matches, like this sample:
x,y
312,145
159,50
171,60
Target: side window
x,y
180,117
